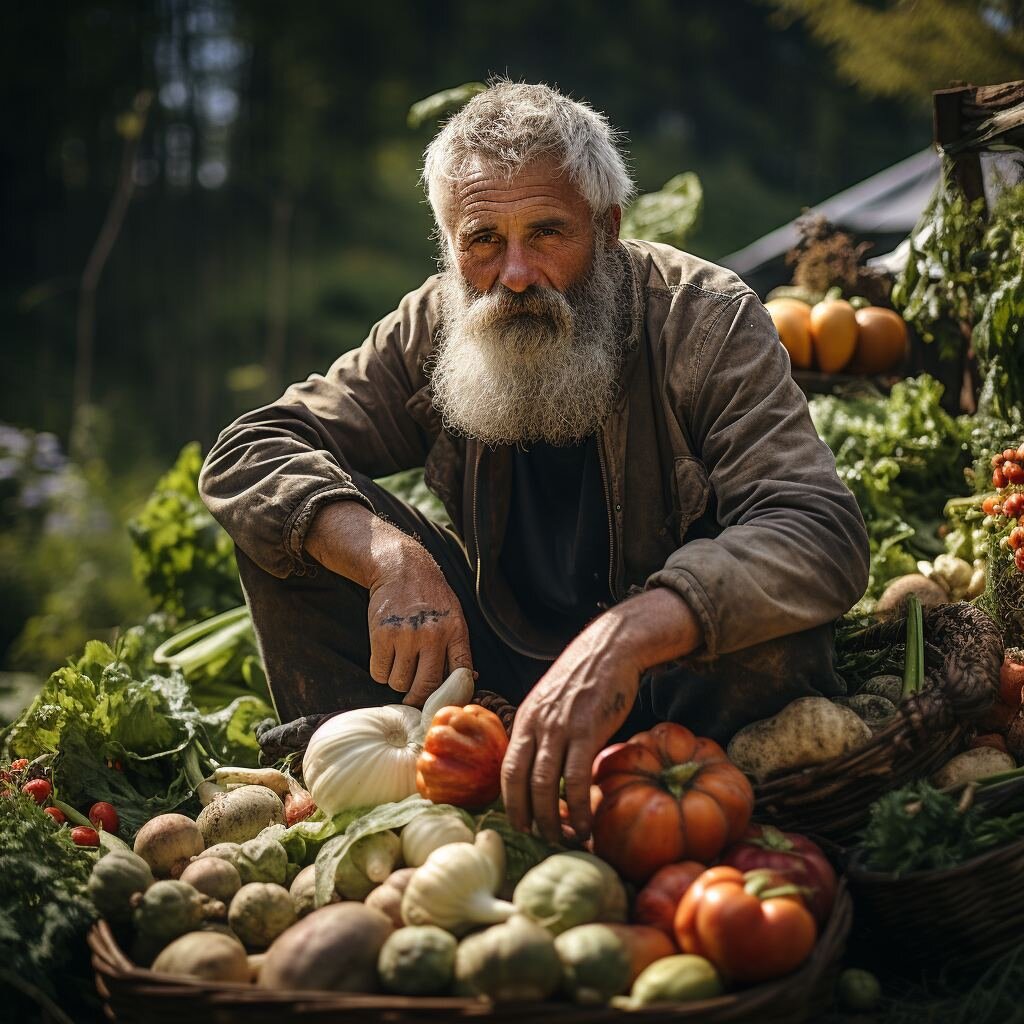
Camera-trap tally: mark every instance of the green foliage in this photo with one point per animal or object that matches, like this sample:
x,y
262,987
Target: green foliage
x,y
439,103
668,216
903,48
44,912
182,556
104,710
903,457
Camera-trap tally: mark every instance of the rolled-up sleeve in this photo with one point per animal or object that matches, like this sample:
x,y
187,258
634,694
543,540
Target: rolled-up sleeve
x,y
271,470
793,550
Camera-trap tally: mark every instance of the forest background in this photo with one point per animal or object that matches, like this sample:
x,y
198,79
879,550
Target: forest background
x,y
203,200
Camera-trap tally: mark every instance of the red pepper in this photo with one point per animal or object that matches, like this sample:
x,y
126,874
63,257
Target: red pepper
x,y
792,856
752,927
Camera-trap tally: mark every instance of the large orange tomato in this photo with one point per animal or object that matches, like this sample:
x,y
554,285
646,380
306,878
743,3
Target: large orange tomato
x,y
667,796
461,759
752,926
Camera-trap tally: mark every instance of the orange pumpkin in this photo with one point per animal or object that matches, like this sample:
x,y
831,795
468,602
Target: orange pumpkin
x,y
460,762
656,902
668,796
792,320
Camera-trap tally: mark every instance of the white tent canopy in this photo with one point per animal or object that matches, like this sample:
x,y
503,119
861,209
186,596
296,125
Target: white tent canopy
x,y
887,203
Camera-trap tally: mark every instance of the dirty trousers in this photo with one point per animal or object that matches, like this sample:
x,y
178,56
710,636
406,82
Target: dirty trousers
x,y
314,639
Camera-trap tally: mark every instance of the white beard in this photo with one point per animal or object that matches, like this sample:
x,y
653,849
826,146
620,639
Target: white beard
x,y
534,366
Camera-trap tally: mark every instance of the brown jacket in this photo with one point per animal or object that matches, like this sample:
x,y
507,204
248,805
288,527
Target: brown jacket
x,y
717,484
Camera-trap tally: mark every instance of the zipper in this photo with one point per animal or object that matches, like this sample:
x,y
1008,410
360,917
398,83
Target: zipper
x,y
508,639
608,510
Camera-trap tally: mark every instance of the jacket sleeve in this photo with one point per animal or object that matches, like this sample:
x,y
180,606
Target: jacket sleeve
x,y
793,551
271,470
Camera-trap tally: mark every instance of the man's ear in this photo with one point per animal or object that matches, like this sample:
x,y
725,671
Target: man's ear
x,y
614,222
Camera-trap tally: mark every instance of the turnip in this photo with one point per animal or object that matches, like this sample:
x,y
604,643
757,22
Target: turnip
x,y
217,878
205,955
167,843
240,814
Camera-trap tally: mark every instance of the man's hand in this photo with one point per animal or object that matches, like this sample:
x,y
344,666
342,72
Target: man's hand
x,y
416,626
580,702
418,633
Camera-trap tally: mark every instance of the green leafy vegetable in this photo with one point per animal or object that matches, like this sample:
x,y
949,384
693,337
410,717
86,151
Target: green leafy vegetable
x,y
522,850
182,556
669,215
44,912
438,103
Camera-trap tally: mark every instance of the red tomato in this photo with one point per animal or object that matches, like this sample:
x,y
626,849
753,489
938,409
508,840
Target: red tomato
x,y
1011,678
82,835
998,478
56,813
19,765
792,856
103,815
988,506
1015,474
1016,538
657,901
38,789
748,925
1013,504
1018,559
1010,455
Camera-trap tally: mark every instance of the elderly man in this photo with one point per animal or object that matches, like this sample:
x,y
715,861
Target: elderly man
x,y
645,525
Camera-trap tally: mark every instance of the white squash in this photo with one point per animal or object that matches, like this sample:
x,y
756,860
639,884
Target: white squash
x,y
368,756
427,833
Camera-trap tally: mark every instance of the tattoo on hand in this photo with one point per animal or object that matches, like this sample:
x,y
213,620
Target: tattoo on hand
x,y
614,706
415,621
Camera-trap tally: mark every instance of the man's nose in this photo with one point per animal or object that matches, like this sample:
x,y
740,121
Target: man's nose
x,y
518,271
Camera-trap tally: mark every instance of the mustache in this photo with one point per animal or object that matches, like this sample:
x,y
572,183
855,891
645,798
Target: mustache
x,y
536,301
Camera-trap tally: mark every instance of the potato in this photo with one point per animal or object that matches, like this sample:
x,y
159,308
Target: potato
x,y
809,731
333,949
217,878
928,591
207,955
240,815
167,843
971,765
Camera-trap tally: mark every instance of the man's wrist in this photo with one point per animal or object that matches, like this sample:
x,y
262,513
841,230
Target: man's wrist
x,y
655,627
350,540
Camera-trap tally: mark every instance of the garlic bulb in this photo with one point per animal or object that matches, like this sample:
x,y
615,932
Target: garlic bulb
x,y
455,888
368,756
429,832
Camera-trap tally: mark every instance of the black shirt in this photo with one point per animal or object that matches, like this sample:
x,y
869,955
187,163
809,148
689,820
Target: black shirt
x,y
555,555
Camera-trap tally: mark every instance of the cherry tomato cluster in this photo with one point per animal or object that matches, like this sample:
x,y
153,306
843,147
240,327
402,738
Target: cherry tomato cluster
x,y
39,788
1008,471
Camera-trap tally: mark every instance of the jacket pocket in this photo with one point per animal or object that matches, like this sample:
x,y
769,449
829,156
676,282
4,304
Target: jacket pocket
x,y
691,491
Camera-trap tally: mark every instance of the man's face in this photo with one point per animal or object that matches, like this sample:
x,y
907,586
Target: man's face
x,y
532,318
535,229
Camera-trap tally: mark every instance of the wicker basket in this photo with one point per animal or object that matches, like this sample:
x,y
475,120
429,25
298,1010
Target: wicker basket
x,y
963,652
974,910
133,995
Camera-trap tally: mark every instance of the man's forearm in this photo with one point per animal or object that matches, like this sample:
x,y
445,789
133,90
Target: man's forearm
x,y
655,626
348,539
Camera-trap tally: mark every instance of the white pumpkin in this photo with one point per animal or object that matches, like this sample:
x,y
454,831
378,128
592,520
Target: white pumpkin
x,y
367,757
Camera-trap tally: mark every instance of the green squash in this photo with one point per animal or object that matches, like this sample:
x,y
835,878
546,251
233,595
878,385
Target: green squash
x,y
115,878
170,908
682,978
570,889
417,961
595,963
262,860
260,912
511,962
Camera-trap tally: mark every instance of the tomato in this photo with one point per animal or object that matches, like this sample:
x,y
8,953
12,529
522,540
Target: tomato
x,y
1018,559
56,813
752,927
998,478
19,765
988,506
1015,474
1010,455
792,856
1016,538
656,902
82,835
1011,677
38,789
1013,504
103,815
997,460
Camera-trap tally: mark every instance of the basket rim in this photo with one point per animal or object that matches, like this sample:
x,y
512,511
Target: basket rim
x,y
110,961
856,870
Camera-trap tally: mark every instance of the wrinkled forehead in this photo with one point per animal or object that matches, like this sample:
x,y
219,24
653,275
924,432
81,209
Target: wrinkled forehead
x,y
485,193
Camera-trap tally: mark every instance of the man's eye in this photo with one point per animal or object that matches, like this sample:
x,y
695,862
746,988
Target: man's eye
x,y
547,232
484,240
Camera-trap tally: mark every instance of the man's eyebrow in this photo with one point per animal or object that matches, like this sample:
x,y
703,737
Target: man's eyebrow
x,y
547,222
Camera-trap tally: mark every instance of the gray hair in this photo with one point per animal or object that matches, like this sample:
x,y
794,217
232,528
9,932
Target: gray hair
x,y
513,124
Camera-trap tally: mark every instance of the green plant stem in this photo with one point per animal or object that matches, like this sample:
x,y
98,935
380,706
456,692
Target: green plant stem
x,y
913,664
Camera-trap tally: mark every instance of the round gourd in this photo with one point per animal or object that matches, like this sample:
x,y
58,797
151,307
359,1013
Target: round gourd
x,y
595,963
334,949
511,962
260,912
170,908
207,955
213,876
667,796
417,961
570,889
115,878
